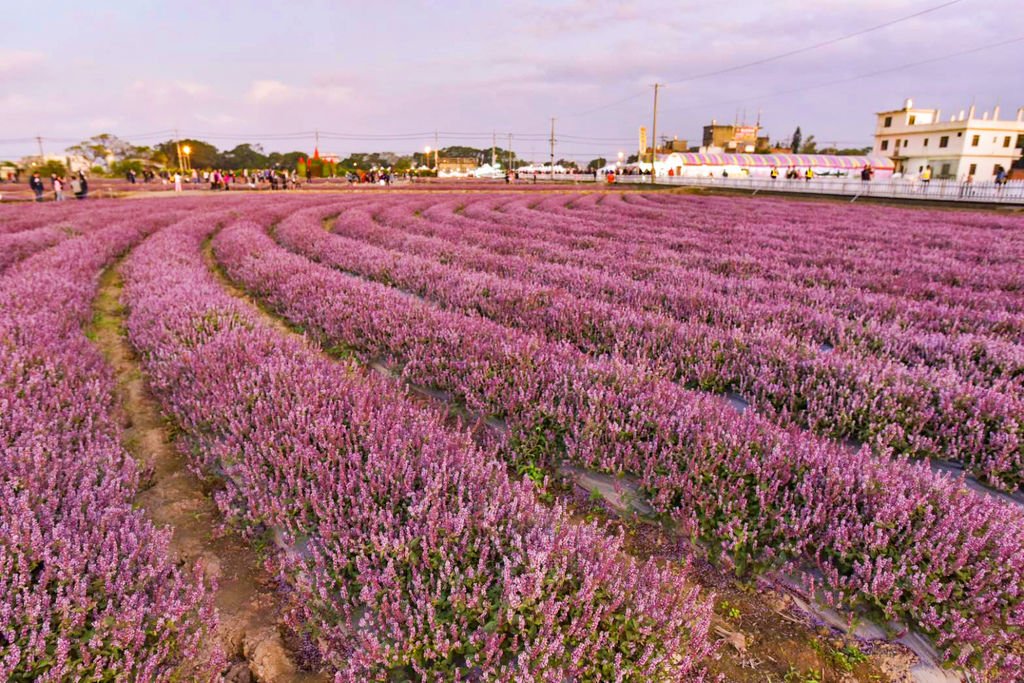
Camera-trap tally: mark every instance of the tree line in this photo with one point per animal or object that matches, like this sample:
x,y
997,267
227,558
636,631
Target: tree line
x,y
110,154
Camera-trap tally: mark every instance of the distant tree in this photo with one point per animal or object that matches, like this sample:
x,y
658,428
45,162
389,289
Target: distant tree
x,y
810,146
632,158
368,160
597,163
203,154
794,144
846,151
566,163
120,168
102,149
481,156
150,155
48,168
288,160
243,156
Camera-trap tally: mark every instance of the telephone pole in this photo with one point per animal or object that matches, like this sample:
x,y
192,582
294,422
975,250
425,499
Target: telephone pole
x,y
494,147
177,147
39,139
508,154
435,150
654,134
552,148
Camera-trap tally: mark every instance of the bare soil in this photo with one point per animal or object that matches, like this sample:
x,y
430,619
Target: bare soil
x,y
251,632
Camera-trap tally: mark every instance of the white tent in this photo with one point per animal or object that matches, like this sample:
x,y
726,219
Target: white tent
x,y
545,168
488,171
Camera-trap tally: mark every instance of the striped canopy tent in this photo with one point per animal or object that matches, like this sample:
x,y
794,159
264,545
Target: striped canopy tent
x,y
787,160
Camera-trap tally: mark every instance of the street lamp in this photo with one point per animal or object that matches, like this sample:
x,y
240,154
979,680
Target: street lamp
x,y
187,150
426,156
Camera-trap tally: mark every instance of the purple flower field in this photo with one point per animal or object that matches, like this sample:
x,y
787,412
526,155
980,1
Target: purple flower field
x,y
875,349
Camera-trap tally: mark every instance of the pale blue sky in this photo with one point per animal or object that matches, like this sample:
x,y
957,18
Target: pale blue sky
x,y
260,71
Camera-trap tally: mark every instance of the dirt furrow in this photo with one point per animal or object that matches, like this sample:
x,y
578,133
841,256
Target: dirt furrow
x,y
251,616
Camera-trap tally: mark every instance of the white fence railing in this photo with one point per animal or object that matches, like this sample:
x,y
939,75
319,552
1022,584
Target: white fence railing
x,y
1011,192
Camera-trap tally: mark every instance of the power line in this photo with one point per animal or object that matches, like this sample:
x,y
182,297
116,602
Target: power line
x,y
808,48
869,74
781,55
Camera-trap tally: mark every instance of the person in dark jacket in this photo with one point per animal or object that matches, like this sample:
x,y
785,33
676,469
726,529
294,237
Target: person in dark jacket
x,y
83,186
36,183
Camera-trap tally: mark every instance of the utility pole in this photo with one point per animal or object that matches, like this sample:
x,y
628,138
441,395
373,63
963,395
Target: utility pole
x,y
39,139
552,148
508,154
654,134
494,146
435,149
177,147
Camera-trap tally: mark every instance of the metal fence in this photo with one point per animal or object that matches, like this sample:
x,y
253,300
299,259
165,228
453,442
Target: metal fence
x,y
1011,192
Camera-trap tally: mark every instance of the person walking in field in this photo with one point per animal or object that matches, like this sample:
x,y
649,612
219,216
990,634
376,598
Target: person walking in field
x,y
36,185
926,175
177,182
58,189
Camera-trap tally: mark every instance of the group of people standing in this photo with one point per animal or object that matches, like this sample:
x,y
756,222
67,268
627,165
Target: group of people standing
x,y
254,180
147,175
79,186
793,173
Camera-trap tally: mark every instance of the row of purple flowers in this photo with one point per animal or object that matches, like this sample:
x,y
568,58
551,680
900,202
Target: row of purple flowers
x,y
87,590
919,412
406,549
877,534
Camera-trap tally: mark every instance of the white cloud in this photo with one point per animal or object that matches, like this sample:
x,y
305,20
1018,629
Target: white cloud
x,y
11,102
270,91
193,89
276,92
217,119
165,90
19,63
104,123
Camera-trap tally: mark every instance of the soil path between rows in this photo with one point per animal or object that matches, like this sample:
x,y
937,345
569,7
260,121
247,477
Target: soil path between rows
x,y
250,612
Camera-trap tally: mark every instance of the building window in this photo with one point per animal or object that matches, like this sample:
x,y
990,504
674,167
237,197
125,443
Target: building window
x,y
972,170
975,140
1006,141
926,142
1020,141
913,120
960,134
945,170
888,121
885,145
944,141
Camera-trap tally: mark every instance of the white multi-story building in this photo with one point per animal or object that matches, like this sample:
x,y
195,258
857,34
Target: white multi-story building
x,y
962,146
